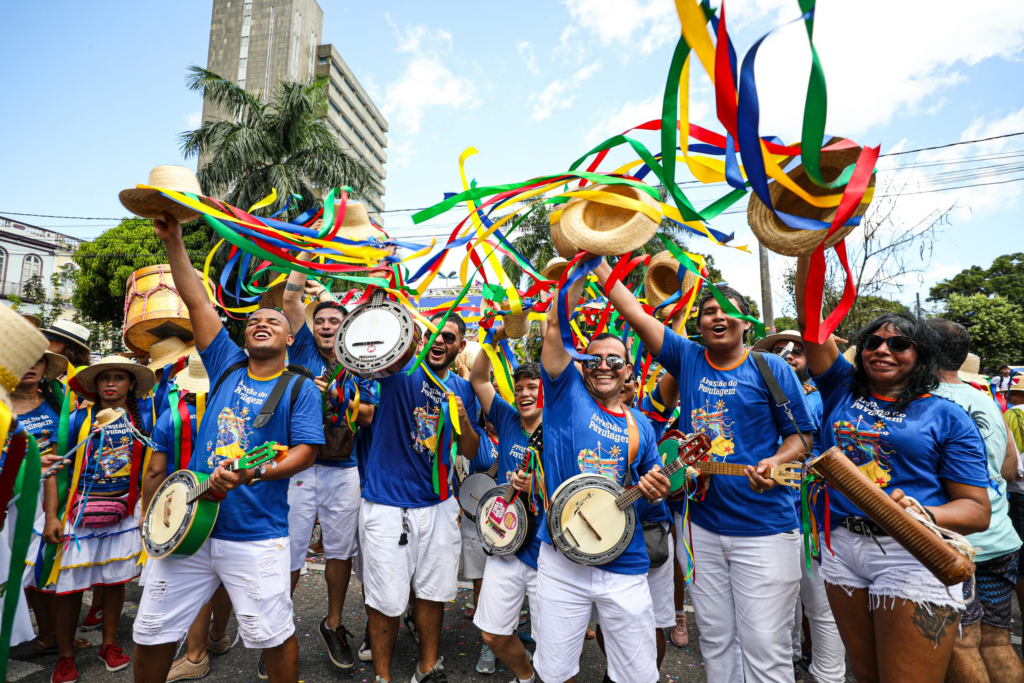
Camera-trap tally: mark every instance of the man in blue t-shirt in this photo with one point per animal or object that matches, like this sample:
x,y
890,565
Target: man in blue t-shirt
x,y
409,519
587,430
746,543
248,548
330,489
507,579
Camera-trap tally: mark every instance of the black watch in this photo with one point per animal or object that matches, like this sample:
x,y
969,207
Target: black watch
x,y
257,476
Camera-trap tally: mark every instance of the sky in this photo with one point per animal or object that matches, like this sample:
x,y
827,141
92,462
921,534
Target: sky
x,y
96,97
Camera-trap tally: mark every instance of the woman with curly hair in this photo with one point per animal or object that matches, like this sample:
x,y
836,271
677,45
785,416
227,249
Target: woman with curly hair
x,y
897,620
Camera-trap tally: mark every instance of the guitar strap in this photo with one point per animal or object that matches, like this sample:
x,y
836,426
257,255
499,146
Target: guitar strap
x,y
778,395
633,434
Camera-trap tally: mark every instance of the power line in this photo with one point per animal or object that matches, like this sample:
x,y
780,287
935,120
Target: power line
x,y
952,144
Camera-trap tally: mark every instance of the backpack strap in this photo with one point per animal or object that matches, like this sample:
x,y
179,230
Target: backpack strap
x,y
270,405
633,433
244,363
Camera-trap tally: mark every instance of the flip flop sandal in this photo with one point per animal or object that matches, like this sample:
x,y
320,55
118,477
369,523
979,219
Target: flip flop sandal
x,y
80,644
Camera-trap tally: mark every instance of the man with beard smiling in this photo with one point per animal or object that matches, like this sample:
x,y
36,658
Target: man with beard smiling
x,y
330,489
746,545
248,548
407,532
584,415
508,579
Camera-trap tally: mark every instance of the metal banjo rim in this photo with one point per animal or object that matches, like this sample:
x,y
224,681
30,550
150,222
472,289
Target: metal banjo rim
x,y
521,528
469,508
158,550
375,366
564,492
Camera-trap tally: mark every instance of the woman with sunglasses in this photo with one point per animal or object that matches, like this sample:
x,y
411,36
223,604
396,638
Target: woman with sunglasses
x,y
897,620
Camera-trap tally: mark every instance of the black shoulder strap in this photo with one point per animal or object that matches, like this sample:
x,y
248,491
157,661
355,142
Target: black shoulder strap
x,y
244,363
270,405
296,387
778,395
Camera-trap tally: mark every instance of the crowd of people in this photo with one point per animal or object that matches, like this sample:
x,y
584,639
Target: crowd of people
x,y
360,463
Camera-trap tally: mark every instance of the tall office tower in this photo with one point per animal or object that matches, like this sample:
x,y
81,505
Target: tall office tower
x,y
258,43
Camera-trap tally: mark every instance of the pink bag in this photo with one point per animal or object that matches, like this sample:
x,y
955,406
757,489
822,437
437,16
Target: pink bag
x,y
99,510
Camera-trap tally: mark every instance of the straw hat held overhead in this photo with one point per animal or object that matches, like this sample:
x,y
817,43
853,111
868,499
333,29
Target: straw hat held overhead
x,y
194,379
602,228
661,280
21,347
146,202
144,377
554,268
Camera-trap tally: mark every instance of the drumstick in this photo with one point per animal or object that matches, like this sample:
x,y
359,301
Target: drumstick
x,y
587,522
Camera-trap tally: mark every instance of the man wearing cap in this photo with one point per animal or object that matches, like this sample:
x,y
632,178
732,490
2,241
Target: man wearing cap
x,y
744,532
828,659
248,548
330,489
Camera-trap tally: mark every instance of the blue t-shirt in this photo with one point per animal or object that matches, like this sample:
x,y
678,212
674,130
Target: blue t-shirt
x,y
42,423
644,510
107,467
512,445
735,409
259,512
304,352
910,449
163,434
399,467
582,437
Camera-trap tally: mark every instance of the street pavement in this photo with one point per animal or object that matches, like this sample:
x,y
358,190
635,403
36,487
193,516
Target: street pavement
x,y
460,647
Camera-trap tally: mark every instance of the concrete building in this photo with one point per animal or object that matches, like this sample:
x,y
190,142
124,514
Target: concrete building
x,y
27,251
258,43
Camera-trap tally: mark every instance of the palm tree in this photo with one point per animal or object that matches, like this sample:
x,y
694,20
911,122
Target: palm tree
x,y
282,145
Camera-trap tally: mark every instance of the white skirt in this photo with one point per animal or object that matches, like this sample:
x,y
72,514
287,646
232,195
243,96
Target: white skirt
x,y
22,622
98,556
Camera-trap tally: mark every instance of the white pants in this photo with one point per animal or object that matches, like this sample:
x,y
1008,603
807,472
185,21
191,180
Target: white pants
x,y
333,494
473,556
429,560
828,662
568,593
255,574
22,626
661,584
506,581
743,593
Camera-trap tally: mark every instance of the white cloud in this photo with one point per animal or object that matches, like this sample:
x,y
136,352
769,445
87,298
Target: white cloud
x,y
400,155
556,94
194,119
530,59
614,22
635,113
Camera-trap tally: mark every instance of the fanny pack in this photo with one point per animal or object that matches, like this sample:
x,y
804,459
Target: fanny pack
x,y
656,538
99,511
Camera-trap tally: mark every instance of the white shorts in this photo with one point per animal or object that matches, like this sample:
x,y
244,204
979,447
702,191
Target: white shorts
x,y
255,574
661,583
568,592
473,556
430,559
506,581
332,493
21,629
859,563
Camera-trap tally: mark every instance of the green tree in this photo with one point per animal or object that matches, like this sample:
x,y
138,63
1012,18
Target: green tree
x,y
283,144
785,323
1005,277
996,326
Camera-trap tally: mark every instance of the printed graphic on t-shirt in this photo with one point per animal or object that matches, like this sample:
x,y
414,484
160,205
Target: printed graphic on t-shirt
x,y
42,426
425,437
233,426
809,387
606,457
863,443
115,457
714,421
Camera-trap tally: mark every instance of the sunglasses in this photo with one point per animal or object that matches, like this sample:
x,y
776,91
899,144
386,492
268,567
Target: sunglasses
x,y
615,362
795,351
897,344
449,337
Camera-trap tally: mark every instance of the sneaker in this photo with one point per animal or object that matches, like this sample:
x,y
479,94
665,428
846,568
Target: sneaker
x,y
525,636
435,675
365,655
486,663
184,669
219,646
524,616
338,648
94,619
410,623
680,633
261,668
65,671
469,611
114,657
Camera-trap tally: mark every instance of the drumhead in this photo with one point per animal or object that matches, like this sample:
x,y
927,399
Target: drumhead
x,y
515,524
374,337
569,488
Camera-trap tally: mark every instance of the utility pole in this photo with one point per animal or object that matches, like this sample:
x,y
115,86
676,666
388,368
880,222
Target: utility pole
x,y
919,305
766,289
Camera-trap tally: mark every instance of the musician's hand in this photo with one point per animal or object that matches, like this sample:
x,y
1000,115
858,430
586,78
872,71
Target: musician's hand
x,y
757,476
53,530
899,497
519,481
223,480
313,289
463,415
321,383
167,228
49,461
654,484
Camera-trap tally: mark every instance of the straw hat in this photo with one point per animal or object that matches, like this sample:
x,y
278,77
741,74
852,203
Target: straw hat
x,y
782,239
21,347
972,365
66,331
356,224
56,365
152,204
194,378
771,340
516,326
850,354
144,377
609,230
662,279
1016,383
167,351
108,416
311,311
562,245
554,268
34,319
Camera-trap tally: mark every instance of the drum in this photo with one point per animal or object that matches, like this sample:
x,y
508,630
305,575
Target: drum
x,y
153,310
377,339
473,490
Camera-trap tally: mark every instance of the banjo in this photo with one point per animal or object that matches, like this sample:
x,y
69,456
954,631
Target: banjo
x,y
178,521
474,487
592,519
377,339
502,520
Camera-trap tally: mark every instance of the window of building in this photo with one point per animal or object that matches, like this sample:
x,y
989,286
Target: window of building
x,y
323,60
32,267
3,264
67,278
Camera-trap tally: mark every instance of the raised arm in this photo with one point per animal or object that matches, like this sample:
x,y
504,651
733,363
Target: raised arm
x,y
480,374
820,357
291,302
553,355
668,387
206,323
647,326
